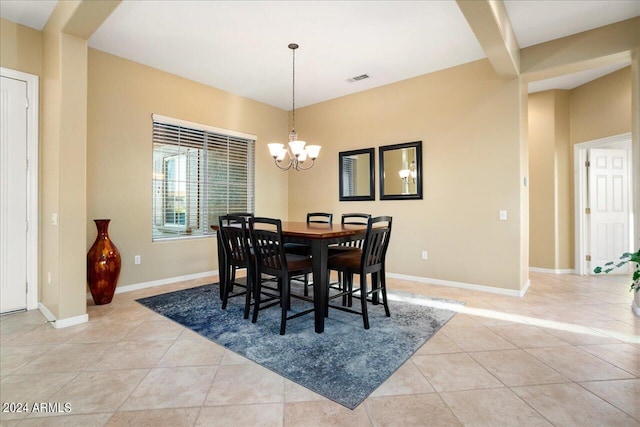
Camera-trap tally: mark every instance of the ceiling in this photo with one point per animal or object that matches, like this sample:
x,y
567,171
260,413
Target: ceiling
x,y
241,46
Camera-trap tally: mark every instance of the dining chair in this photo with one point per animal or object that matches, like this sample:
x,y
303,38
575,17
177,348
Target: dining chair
x,y
234,233
246,216
304,249
350,219
369,261
312,218
351,245
272,260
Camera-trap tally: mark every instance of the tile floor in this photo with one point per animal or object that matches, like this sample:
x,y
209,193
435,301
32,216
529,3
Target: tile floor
x,y
567,354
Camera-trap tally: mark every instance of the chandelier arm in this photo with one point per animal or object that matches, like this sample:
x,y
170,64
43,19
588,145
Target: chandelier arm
x,y
300,168
283,168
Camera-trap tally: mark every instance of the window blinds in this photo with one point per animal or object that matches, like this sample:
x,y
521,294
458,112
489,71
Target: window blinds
x,y
199,173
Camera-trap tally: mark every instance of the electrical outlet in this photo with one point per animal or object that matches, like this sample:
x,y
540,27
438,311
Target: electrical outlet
x,y
48,278
425,255
503,215
136,259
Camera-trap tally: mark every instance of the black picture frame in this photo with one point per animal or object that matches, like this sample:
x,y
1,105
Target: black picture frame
x,y
395,157
364,181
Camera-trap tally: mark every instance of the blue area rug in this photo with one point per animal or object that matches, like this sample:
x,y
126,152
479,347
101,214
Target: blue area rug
x,y
346,363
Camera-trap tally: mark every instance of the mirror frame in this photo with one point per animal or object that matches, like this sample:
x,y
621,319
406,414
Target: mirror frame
x,y
372,185
382,150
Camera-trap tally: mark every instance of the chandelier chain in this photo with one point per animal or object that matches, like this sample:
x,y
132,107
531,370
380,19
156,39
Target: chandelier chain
x,y
294,89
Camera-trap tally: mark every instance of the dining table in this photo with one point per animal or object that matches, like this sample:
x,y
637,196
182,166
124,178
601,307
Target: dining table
x,y
318,236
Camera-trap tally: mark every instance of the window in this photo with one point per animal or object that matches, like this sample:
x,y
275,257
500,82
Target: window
x,y
199,173
349,172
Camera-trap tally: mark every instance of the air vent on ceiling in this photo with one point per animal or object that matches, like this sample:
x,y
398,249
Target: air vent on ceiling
x,y
358,78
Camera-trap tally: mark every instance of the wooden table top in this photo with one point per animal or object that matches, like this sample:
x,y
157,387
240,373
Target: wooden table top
x,y
316,230
320,231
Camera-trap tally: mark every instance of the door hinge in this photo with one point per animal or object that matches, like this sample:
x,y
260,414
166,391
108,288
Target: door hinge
x,y
27,104
587,211
587,163
588,257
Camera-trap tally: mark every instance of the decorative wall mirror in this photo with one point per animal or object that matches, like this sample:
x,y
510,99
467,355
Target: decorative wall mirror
x,y
356,174
401,171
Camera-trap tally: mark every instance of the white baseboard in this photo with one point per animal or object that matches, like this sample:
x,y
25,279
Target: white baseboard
x,y
552,271
71,321
46,313
471,286
160,282
62,323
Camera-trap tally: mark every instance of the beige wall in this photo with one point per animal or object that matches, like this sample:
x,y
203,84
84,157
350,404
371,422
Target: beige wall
x,y
601,107
551,232
542,225
557,120
122,97
468,120
20,48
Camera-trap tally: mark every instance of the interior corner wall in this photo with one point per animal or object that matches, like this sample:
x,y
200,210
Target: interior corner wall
x,y
63,174
525,194
468,120
564,241
551,191
542,174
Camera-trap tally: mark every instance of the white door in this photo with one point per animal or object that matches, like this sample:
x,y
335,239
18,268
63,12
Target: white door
x,y
13,195
609,205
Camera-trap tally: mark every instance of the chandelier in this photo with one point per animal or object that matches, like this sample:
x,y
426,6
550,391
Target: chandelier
x,y
300,156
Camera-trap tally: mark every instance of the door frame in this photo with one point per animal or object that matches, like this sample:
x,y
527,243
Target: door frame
x,y
580,151
33,261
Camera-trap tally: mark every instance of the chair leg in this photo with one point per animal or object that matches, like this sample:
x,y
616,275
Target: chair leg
x,y
349,284
233,277
306,285
344,285
256,296
363,300
383,286
247,300
225,287
284,298
374,286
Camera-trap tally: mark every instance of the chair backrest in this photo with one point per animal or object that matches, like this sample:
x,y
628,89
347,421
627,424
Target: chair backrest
x,y
320,217
376,242
355,218
266,238
230,218
235,239
245,215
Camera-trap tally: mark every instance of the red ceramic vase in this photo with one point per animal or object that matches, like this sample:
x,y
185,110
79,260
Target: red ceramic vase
x,y
103,265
